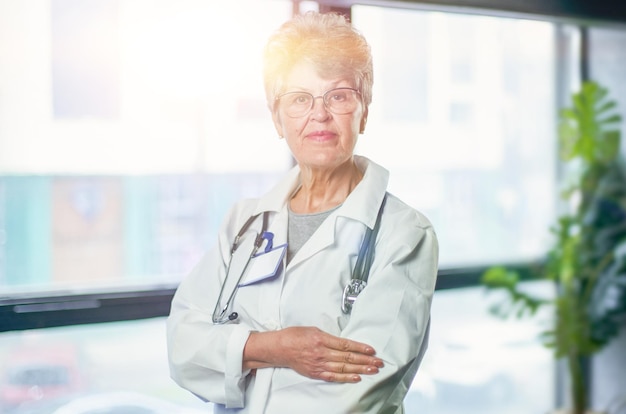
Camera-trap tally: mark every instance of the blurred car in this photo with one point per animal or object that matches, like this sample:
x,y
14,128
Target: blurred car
x,y
34,373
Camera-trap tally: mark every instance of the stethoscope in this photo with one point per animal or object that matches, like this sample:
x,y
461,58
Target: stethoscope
x,y
353,288
220,313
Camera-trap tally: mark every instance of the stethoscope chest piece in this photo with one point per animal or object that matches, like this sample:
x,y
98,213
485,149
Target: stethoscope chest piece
x,y
350,293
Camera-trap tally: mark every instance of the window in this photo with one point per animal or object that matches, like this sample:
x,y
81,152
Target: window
x,y
85,59
127,128
607,57
479,364
474,149
464,117
91,368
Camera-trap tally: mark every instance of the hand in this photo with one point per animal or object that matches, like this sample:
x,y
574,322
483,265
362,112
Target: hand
x,y
312,353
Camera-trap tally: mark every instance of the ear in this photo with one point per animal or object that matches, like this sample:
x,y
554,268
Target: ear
x,y
277,123
363,121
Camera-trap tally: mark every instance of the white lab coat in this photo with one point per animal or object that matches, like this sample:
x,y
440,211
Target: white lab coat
x,y
392,314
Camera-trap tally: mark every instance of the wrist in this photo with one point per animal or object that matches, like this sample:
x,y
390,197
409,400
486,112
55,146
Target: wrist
x,y
257,352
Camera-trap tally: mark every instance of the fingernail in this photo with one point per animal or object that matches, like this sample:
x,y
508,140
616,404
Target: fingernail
x,y
372,370
356,378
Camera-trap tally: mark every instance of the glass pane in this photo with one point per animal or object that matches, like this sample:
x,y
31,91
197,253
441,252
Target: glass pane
x,y
115,368
479,364
464,116
127,128
607,59
607,53
101,230
474,364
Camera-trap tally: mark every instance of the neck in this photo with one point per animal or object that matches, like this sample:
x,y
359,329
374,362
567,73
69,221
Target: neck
x,y
322,190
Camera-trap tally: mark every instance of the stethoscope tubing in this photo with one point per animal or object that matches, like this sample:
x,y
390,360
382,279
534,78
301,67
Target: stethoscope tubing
x,y
219,316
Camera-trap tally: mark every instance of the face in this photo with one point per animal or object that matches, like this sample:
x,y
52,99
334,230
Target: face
x,y
319,139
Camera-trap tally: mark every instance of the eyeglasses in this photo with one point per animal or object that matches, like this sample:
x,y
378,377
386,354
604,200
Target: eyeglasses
x,y
339,101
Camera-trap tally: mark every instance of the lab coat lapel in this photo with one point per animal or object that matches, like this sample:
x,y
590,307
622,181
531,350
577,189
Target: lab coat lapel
x,y
279,226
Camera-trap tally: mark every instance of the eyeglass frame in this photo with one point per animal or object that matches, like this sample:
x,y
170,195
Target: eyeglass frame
x,y
319,96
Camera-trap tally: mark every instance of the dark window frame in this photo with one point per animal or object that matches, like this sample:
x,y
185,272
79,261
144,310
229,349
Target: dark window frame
x,y
49,310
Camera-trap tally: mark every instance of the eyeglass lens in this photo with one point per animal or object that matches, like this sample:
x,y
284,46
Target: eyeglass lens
x,y
338,101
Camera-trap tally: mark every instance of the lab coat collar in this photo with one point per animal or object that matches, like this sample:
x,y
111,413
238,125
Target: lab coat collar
x,y
365,200
362,204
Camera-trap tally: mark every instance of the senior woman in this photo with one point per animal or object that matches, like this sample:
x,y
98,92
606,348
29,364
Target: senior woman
x,y
264,323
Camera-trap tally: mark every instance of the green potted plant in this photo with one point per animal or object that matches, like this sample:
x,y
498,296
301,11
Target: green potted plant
x,y
587,261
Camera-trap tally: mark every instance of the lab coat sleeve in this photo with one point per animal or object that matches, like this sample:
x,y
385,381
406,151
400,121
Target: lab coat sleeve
x,y
204,358
393,312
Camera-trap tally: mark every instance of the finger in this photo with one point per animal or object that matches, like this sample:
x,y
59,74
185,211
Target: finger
x,y
345,368
355,358
338,377
347,345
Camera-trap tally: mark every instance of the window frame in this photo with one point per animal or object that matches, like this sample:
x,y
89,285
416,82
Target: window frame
x,y
35,311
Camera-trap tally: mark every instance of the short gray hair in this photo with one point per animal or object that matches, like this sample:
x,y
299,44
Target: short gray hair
x,y
329,42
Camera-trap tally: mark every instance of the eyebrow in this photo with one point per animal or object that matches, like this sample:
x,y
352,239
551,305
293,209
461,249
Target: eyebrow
x,y
338,84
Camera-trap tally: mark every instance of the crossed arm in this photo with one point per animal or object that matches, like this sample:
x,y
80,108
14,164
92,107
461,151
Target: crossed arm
x,y
312,353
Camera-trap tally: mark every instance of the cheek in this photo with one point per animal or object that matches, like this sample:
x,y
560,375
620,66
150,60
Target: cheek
x,y
356,118
287,127
355,123
293,128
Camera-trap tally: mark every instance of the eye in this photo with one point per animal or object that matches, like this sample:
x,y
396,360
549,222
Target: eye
x,y
300,99
338,95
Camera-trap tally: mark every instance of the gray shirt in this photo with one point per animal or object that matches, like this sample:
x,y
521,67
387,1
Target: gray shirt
x,y
301,227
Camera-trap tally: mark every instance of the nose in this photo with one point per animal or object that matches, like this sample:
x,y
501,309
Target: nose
x,y
319,109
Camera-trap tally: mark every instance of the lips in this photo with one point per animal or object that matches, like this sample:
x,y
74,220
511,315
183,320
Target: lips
x,y
321,135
